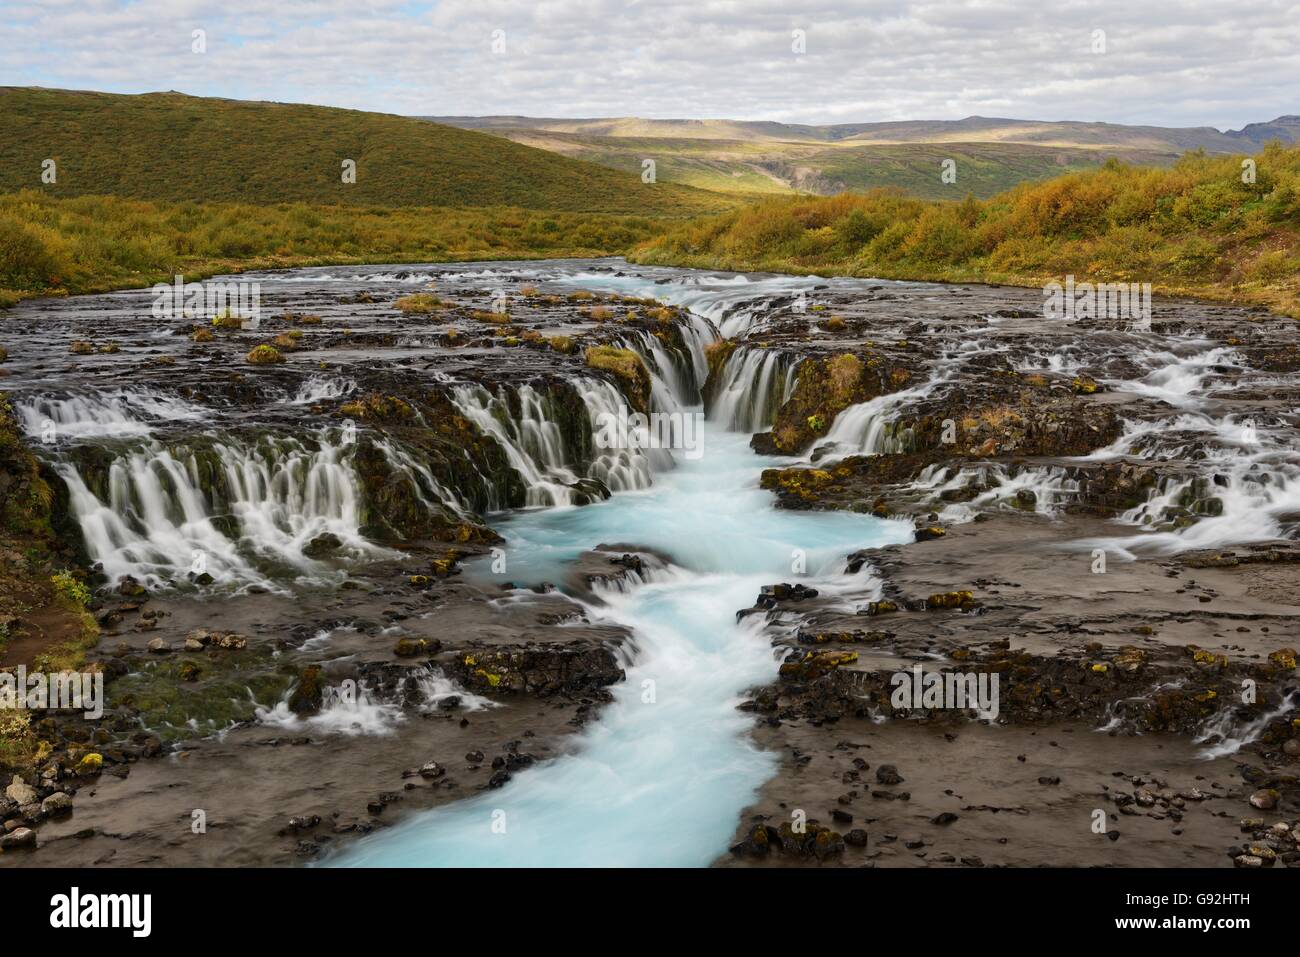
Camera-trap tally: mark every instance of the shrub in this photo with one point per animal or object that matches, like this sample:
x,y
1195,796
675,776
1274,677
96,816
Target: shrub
x,y
265,355
1273,267
420,302
69,589
28,259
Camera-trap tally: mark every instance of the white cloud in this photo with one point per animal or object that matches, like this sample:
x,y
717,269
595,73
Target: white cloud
x,y
1186,63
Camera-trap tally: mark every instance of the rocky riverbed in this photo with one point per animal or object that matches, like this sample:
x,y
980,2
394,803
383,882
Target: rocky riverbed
x,y
325,602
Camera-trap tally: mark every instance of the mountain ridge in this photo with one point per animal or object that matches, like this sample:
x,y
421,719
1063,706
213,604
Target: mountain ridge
x,y
987,129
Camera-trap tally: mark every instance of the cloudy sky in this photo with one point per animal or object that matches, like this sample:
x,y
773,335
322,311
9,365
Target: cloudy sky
x,y
1188,63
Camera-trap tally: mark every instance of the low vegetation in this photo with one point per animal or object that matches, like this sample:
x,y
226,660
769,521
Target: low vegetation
x,y
627,365
1200,227
51,246
265,355
418,303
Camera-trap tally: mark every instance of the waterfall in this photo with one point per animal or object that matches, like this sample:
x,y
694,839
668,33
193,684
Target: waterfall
x,y
1225,734
697,334
229,510
864,429
323,389
1042,489
676,379
1236,480
868,428
660,784
621,470
535,445
123,413
1254,499
754,385
431,493
1176,379
532,441
355,708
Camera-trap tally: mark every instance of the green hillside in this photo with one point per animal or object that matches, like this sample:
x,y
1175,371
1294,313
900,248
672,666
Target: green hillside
x,y
172,147
741,166
764,165
1194,227
991,154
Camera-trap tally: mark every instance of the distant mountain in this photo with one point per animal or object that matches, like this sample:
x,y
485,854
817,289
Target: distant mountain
x,y
992,154
972,129
168,146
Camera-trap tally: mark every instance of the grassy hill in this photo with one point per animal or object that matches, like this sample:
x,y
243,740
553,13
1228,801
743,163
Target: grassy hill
x,y
992,154
172,147
1194,228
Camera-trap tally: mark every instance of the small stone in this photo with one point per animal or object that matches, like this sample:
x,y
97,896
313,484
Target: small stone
x,y
57,804
159,646
1265,799
20,792
410,647
888,774
23,837
322,545
131,588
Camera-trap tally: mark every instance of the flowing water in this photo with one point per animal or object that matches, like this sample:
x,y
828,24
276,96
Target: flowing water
x,y
661,776
660,779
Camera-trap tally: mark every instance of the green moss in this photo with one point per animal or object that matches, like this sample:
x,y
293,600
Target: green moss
x,y
377,407
627,366
418,303
167,692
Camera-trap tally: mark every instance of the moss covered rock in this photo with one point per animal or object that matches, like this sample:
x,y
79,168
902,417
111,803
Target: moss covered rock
x,y
628,368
